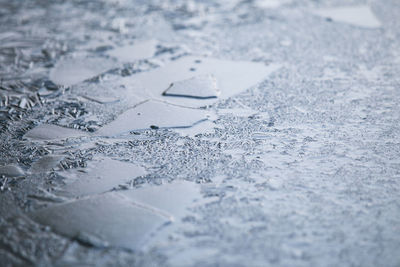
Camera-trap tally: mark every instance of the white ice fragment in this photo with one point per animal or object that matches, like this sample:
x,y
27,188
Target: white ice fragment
x,y
99,176
152,115
11,170
46,163
173,198
233,77
201,87
71,71
108,218
361,16
137,51
52,132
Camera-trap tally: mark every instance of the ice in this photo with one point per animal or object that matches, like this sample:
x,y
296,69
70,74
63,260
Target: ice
x,y
11,170
153,115
52,132
173,198
105,219
70,71
137,51
270,3
233,77
238,112
101,99
203,127
101,175
46,163
201,87
361,16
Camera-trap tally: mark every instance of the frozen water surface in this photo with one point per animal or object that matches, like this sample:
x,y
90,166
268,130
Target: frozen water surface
x,y
103,220
52,132
249,133
70,71
137,51
153,115
201,87
361,16
99,176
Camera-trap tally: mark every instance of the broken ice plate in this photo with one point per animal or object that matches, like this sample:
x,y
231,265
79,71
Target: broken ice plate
x,y
201,87
153,115
11,170
101,175
137,51
102,219
232,77
52,132
70,71
46,163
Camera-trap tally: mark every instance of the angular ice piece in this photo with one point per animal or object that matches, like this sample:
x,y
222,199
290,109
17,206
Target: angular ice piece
x,y
104,219
233,77
173,198
99,176
71,71
137,51
46,163
153,115
11,170
361,16
201,87
52,132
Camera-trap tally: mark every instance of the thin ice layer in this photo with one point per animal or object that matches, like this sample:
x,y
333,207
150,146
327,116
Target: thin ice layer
x,y
153,114
173,198
233,77
361,16
52,132
200,87
71,71
11,170
46,163
99,176
108,219
137,51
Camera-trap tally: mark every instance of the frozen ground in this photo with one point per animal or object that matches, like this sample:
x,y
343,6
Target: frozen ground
x,y
200,133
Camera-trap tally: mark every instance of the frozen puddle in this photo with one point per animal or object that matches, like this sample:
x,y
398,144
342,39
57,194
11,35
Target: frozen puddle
x,y
11,170
137,51
103,220
153,115
99,176
52,132
124,219
71,71
232,77
361,16
201,87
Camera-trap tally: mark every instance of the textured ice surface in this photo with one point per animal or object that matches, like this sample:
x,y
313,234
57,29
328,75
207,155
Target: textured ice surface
x,y
136,51
70,71
151,115
99,176
52,132
201,87
232,77
270,3
361,16
11,170
103,220
46,163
